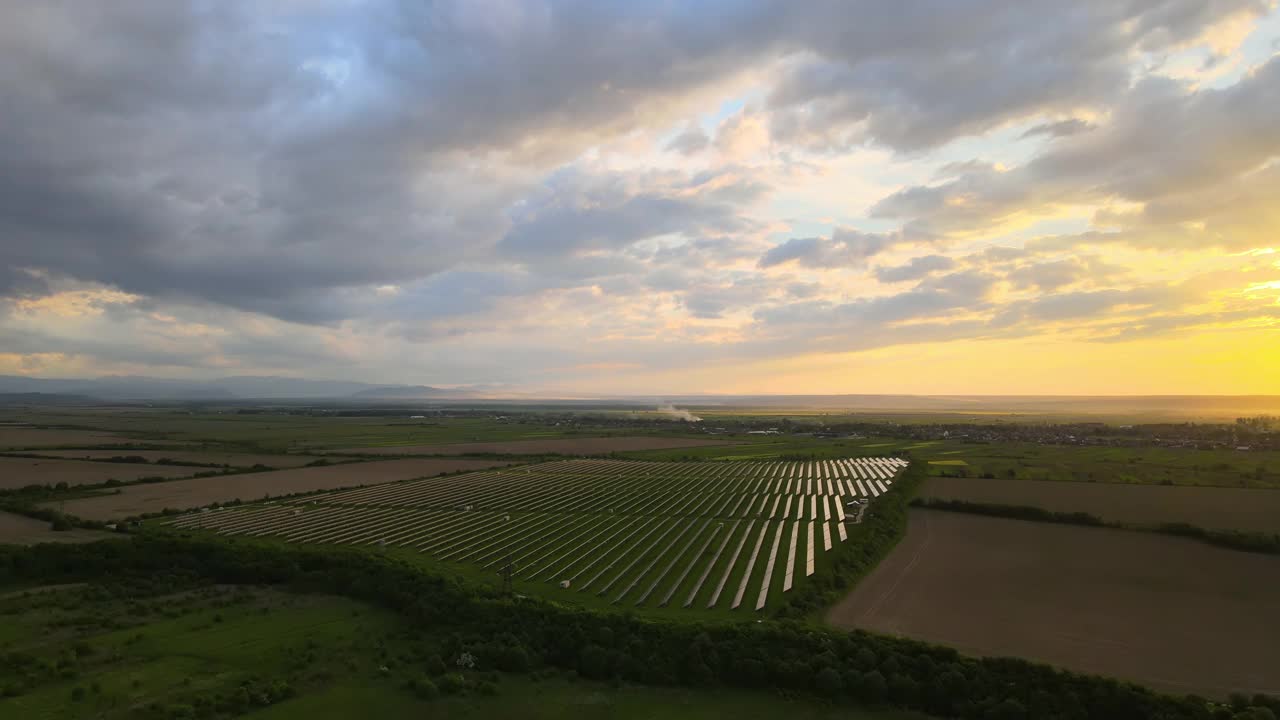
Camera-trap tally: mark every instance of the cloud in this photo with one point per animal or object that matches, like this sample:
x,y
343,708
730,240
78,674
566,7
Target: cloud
x,y
710,302
692,140
1059,128
915,269
389,186
742,136
914,86
844,247
583,213
1050,276
1162,146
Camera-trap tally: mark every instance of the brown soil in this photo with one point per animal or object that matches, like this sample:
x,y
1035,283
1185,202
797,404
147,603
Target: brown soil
x,y
238,460
20,472
565,446
22,530
1210,507
1174,614
198,492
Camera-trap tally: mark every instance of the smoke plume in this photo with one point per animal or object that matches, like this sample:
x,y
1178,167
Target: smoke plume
x,y
674,412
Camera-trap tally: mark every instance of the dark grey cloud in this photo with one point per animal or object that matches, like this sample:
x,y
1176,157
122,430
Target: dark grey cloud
x,y
280,158
971,67
1162,146
16,282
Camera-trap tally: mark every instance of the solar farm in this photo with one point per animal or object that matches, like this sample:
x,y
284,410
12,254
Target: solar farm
x,y
723,535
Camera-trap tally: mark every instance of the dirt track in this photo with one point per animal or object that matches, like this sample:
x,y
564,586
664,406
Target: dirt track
x,y
20,472
198,492
1210,507
1173,614
565,446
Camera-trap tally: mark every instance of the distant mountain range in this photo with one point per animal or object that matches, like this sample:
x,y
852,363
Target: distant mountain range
x,y
229,388
19,390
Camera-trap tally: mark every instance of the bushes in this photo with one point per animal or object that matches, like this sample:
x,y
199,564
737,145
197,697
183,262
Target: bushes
x,y
453,683
1259,542
1017,512
423,688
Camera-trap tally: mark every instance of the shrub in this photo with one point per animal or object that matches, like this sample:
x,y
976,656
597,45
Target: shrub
x,y
452,683
424,688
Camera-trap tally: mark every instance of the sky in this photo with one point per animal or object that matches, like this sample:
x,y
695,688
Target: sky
x,y
728,196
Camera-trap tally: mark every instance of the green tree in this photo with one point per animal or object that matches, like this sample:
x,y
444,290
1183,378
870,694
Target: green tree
x,y
1007,709
829,681
873,688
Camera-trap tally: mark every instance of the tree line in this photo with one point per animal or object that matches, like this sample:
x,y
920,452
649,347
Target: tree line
x,y
497,632
1245,540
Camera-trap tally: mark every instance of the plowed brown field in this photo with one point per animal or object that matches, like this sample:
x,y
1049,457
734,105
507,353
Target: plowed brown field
x,y
1171,613
198,492
20,472
1210,507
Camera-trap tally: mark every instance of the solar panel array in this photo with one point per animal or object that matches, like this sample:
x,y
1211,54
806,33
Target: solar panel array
x,y
707,534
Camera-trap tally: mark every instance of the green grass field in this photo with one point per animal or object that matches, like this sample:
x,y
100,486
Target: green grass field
x,y
520,699
83,652
115,652
1025,461
276,432
283,433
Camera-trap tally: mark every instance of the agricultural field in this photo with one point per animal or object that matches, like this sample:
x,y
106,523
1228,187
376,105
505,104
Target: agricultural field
x,y
272,433
719,536
201,457
22,530
562,446
1208,507
25,438
136,500
16,472
1022,461
1171,613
